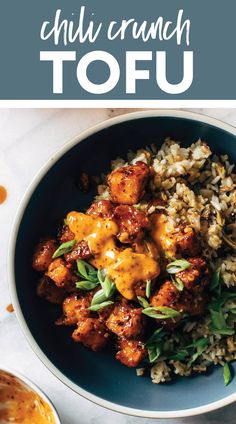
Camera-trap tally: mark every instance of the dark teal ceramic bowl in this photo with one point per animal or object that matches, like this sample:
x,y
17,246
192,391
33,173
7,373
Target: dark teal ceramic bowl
x,y
98,376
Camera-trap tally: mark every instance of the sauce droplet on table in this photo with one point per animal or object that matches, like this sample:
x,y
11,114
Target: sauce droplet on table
x,y
3,194
10,308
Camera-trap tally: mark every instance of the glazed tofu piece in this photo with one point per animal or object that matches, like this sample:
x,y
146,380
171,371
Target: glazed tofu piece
x,y
59,273
49,291
101,209
182,241
64,234
184,302
166,295
75,309
92,333
187,242
104,313
131,352
80,251
131,223
126,320
43,253
197,276
127,184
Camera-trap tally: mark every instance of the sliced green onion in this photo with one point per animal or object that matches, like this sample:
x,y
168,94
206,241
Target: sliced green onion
x,y
86,271
218,323
201,345
179,356
156,336
177,266
178,283
99,306
100,296
153,353
86,285
143,302
166,312
64,248
215,280
105,282
226,374
148,288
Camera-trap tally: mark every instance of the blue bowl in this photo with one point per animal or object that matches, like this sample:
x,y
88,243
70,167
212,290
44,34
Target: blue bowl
x,y
98,376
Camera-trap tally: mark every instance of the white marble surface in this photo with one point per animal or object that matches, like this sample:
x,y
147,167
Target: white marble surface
x,y
28,137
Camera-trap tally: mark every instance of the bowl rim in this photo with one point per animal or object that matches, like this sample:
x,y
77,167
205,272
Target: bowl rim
x,y
34,387
172,113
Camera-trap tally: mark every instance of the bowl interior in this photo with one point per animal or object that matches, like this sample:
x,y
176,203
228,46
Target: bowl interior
x,y
56,194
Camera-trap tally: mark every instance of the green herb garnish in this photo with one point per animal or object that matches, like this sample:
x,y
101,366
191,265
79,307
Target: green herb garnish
x,y
220,301
86,285
154,352
64,248
148,288
226,374
191,352
143,302
155,344
177,266
201,345
215,281
178,283
105,282
138,206
87,271
156,336
99,306
179,356
166,312
218,323
100,296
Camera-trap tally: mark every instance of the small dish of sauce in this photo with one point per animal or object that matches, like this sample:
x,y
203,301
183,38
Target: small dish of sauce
x,y
21,402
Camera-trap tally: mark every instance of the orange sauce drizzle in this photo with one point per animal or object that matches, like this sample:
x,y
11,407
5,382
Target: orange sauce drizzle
x,y
124,267
161,234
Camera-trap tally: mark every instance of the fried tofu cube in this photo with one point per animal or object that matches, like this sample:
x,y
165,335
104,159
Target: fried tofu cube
x,y
131,223
187,243
75,309
131,352
192,303
197,276
59,273
80,251
91,333
126,320
166,295
64,234
127,184
43,253
101,209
